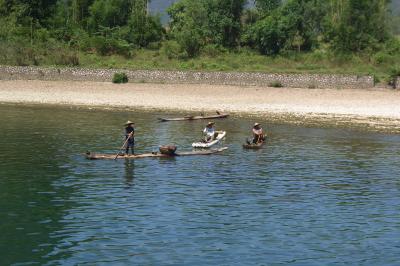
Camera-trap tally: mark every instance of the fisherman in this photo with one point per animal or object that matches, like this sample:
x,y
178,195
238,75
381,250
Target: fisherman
x,y
258,134
209,132
130,137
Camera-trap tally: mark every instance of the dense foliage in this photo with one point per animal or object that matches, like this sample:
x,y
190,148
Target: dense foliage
x,y
58,31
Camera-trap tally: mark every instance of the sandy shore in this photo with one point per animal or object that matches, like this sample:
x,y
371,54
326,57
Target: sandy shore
x,y
370,108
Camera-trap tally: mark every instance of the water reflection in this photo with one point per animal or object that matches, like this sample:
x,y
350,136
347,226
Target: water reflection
x,y
129,172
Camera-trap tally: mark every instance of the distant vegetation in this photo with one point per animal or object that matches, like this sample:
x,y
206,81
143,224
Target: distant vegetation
x,y
336,36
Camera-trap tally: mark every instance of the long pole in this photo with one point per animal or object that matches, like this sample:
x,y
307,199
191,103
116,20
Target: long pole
x,y
123,145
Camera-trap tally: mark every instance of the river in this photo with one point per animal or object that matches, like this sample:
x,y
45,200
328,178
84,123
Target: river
x,y
311,197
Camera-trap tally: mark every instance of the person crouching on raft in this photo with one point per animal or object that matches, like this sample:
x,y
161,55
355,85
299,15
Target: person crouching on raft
x,y
209,132
130,135
258,134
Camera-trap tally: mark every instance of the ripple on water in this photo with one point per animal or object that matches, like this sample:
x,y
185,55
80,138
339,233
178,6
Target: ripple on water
x,y
310,197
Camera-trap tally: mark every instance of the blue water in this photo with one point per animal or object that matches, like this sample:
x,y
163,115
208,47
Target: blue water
x,y
310,197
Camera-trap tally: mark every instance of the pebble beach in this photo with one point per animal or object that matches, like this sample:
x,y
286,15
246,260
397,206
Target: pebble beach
x,y
373,108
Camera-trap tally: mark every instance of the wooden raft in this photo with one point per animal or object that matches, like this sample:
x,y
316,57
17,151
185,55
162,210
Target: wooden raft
x,y
254,146
98,156
190,118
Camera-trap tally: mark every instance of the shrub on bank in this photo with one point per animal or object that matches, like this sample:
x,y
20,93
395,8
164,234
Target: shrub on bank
x,y
120,78
108,46
394,73
212,50
66,58
172,50
276,84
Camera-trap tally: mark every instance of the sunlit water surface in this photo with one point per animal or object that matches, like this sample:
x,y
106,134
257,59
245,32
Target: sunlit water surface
x,y
310,197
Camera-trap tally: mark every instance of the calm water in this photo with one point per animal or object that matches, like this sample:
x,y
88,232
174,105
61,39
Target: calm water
x,y
312,197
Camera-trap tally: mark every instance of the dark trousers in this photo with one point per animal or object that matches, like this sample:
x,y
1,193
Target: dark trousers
x,y
130,144
258,138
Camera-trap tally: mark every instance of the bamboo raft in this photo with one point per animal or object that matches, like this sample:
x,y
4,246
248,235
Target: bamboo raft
x,y
206,145
191,118
98,156
254,146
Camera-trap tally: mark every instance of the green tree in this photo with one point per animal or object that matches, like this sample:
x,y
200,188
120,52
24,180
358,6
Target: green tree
x,y
143,27
109,13
266,6
198,22
358,25
189,25
26,11
224,21
80,10
268,35
294,25
305,20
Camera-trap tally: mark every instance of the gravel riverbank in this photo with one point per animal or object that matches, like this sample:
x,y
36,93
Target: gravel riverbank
x,y
377,109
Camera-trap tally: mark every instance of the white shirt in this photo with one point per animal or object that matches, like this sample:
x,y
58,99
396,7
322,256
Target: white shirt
x,y
209,132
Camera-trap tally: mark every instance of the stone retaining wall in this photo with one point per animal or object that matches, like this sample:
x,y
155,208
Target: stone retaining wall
x,y
160,76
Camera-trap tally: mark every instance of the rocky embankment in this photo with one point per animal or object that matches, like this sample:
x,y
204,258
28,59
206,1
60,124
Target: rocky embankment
x,y
311,81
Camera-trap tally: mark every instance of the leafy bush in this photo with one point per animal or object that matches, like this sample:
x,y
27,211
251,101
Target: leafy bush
x,y
66,58
376,79
187,25
110,14
395,71
22,52
100,44
268,35
352,32
120,78
276,84
312,86
107,46
123,48
318,55
172,50
392,46
393,74
381,58
210,50
154,46
190,40
15,53
146,31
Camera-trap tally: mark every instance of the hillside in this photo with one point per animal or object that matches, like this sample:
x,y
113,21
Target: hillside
x,y
277,36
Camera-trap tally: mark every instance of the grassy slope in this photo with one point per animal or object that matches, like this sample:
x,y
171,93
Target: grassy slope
x,y
316,62
380,65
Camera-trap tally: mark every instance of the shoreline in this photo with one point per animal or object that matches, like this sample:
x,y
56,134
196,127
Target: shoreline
x,y
376,110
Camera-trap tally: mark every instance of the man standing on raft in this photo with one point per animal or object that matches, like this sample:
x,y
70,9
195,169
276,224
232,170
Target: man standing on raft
x,y
130,137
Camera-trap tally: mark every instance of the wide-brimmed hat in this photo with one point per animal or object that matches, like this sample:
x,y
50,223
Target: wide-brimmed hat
x,y
256,124
129,123
210,123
